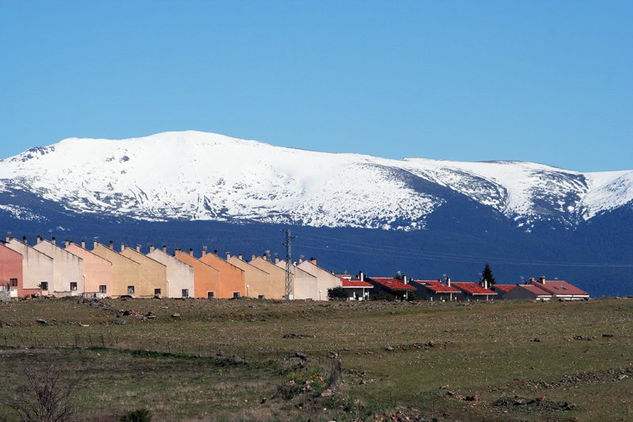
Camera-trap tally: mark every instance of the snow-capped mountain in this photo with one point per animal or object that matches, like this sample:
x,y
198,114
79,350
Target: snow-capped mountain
x,y
204,176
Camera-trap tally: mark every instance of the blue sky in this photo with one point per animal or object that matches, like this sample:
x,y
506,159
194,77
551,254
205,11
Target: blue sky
x,y
546,81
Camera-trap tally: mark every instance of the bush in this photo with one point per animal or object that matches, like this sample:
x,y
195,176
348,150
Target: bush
x,y
138,415
337,293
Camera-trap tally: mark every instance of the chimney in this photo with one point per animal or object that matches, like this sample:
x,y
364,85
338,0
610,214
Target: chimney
x,y
276,260
215,252
112,245
151,247
204,251
542,279
138,248
8,238
253,257
300,260
448,281
83,244
39,238
405,280
165,248
228,256
361,276
313,260
66,243
53,240
190,251
484,283
532,280
240,257
122,246
25,240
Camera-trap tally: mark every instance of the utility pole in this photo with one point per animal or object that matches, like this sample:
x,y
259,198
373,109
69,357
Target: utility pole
x,y
289,273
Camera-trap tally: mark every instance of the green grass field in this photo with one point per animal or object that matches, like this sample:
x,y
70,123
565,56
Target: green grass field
x,y
260,360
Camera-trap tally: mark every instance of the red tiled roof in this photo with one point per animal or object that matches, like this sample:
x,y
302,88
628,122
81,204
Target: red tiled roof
x,y
560,287
355,283
503,287
473,288
437,286
391,283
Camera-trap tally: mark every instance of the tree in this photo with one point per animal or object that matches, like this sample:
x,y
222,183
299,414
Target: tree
x,y
486,275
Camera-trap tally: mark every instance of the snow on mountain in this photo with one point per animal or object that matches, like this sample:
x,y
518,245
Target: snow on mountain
x,y
204,176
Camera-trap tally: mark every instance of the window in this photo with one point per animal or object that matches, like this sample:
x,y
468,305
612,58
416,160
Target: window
x,y
157,292
185,292
73,286
210,295
130,290
44,285
103,288
260,296
236,295
14,282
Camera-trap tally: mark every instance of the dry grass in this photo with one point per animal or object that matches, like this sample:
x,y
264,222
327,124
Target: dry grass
x,y
438,360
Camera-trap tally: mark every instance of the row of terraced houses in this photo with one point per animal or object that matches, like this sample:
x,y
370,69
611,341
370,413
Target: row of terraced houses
x,y
69,269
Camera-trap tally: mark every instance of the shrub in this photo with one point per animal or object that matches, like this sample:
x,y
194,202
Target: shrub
x,y
337,293
138,415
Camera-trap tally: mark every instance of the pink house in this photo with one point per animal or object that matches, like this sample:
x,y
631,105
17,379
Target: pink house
x,y
11,278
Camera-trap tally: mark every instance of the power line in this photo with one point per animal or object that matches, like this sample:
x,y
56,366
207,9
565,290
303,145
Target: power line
x,y
391,251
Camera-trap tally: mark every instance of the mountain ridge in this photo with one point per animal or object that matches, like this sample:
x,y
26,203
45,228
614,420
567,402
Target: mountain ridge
x,y
194,175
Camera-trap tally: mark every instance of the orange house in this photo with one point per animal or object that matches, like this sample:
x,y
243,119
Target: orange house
x,y
232,282
206,279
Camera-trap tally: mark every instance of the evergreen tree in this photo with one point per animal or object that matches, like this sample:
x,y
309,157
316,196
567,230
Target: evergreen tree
x,y
487,276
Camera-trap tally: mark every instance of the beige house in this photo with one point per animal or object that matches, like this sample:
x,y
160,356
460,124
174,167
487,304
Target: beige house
x,y
180,275
258,282
37,266
277,275
325,279
152,274
97,271
305,285
125,271
68,269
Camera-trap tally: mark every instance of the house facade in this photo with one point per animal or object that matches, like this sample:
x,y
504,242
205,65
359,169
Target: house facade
x,y
206,279
258,282
304,284
325,279
68,269
98,281
474,291
11,278
528,292
231,277
125,272
37,268
152,275
560,289
356,288
436,290
277,275
180,275
398,288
